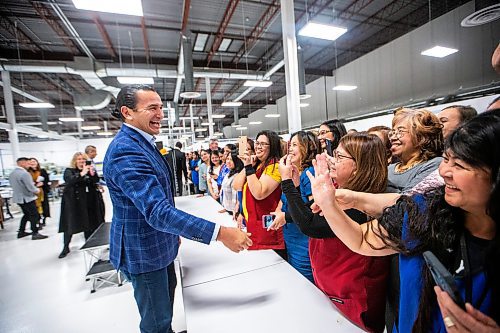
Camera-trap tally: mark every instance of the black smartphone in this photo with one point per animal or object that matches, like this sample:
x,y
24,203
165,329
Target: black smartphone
x,y
329,147
88,162
159,145
443,278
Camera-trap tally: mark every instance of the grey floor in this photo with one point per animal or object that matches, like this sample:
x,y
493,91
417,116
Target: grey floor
x,y
41,293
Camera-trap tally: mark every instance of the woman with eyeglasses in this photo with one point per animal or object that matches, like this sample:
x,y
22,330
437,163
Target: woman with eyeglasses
x,y
303,148
333,131
239,181
261,191
417,140
354,283
458,222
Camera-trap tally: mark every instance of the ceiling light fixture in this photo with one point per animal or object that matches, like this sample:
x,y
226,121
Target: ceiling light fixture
x,y
91,128
305,96
257,83
105,133
272,115
438,51
218,116
35,105
235,125
190,94
241,128
255,123
322,31
126,7
201,129
304,105
199,43
344,87
135,80
207,124
71,119
224,45
231,103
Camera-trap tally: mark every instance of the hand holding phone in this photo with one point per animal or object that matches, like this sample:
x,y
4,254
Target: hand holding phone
x,y
443,278
267,220
329,147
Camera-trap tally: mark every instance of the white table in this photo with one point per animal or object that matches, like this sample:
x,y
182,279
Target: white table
x,y
253,291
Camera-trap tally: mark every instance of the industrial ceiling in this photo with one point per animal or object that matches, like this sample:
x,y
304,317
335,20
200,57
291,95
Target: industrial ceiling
x,y
70,57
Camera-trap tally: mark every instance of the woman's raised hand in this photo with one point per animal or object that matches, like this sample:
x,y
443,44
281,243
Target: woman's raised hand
x,y
321,184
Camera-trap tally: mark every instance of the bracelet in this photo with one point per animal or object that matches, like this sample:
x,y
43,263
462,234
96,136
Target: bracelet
x,y
249,170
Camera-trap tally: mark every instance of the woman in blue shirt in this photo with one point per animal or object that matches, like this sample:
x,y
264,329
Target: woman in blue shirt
x,y
193,167
457,222
302,149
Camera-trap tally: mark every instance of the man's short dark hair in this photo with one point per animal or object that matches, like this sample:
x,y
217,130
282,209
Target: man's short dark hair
x,y
466,112
88,148
127,97
178,145
22,159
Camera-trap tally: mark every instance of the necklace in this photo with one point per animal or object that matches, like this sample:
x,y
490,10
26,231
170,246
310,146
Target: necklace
x,y
399,168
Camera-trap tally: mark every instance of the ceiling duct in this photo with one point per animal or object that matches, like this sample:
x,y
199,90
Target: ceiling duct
x,y
97,100
486,11
188,68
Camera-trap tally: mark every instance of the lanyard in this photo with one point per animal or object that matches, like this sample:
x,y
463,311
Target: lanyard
x,y
467,271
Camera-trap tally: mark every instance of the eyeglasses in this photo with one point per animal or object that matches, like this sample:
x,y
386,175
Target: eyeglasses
x,y
323,132
338,157
261,144
399,133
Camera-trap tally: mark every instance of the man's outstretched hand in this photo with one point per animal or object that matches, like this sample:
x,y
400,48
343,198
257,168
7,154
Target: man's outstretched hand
x,y
234,239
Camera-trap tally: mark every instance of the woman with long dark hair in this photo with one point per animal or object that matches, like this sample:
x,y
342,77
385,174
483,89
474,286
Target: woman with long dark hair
x,y
213,174
332,131
229,195
261,192
457,222
302,149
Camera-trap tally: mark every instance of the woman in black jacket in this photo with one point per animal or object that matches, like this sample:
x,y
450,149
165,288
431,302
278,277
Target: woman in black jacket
x,y
81,207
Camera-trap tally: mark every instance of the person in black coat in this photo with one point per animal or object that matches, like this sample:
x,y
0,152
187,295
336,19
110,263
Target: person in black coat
x,y
81,207
179,167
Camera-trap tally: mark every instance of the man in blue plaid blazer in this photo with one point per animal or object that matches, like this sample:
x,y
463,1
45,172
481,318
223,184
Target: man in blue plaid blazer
x,y
144,237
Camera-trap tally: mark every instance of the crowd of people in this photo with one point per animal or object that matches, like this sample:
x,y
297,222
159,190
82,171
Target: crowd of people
x,y
428,183
352,212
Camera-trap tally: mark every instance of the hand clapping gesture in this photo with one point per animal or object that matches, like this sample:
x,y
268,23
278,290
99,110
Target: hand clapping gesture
x,y
321,184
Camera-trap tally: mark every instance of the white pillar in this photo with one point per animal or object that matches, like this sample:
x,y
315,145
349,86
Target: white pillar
x,y
11,117
209,108
291,66
236,115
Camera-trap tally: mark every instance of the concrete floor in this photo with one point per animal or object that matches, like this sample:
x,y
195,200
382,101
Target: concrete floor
x,y
41,293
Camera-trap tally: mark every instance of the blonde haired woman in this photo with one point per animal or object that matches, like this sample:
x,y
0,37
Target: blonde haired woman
x,y
81,207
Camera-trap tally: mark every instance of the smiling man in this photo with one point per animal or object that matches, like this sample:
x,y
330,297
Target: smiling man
x,y
144,236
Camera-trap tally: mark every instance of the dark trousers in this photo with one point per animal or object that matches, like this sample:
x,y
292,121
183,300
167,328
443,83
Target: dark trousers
x,y
30,214
154,295
68,236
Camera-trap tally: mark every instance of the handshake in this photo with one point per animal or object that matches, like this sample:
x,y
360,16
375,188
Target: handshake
x,y
234,239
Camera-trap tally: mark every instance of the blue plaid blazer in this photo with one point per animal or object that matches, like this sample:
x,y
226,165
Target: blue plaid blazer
x,y
145,230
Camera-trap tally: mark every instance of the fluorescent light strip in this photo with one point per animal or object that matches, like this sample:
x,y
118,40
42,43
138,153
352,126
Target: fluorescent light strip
x,y
344,88
255,123
125,7
218,116
231,103
91,128
201,129
36,105
438,52
106,133
272,115
304,105
242,128
71,119
322,31
135,80
256,83
207,124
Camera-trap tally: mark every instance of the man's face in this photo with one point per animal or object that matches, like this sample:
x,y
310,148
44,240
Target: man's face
x,y
450,118
214,145
92,153
24,164
148,113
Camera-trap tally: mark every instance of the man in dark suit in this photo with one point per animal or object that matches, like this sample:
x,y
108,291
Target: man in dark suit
x,y
144,235
180,166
